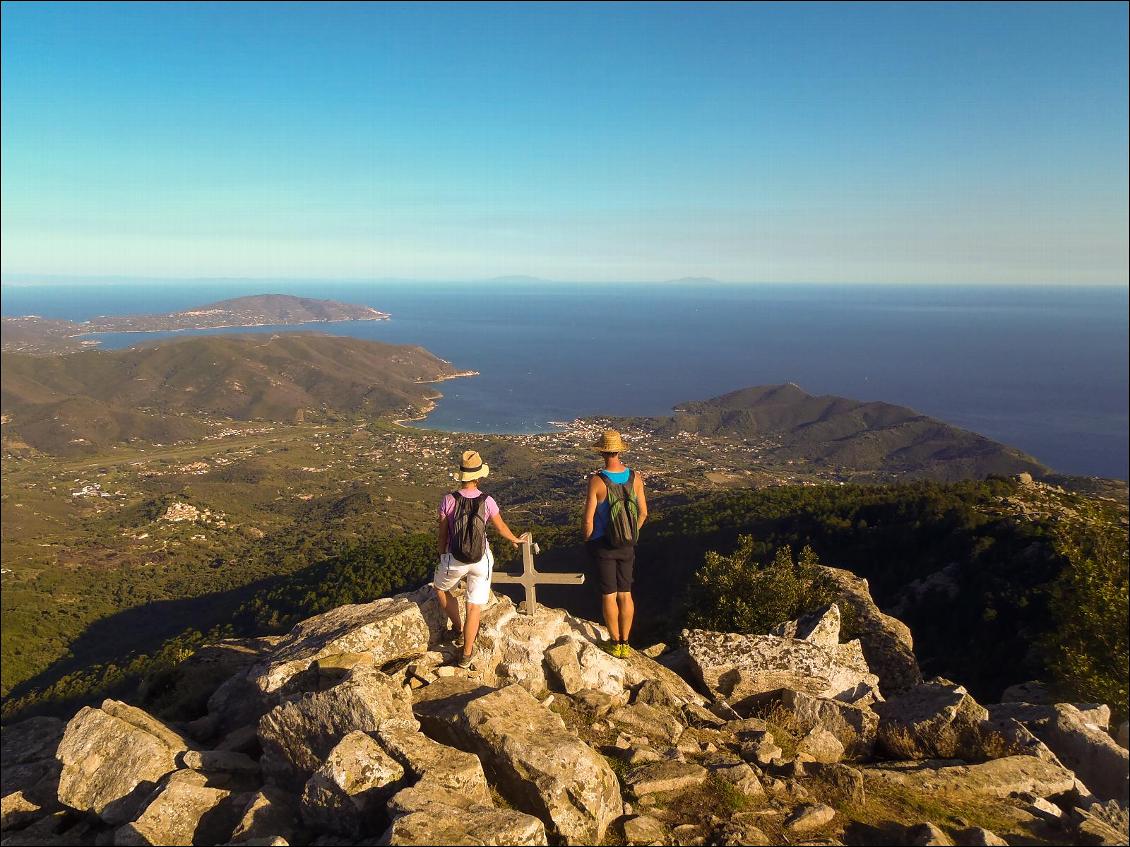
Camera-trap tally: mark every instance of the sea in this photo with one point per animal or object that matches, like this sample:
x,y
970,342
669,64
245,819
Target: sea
x,y
1042,368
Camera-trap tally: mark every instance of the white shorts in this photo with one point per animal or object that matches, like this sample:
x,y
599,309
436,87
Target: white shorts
x,y
450,570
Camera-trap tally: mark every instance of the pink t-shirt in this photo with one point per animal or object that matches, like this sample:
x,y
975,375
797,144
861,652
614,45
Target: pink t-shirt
x,y
447,507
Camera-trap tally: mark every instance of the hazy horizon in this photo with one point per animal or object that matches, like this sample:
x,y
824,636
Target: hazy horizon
x,y
20,280
797,143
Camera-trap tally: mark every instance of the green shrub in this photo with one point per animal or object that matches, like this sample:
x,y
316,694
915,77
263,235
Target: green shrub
x,y
1087,653
736,593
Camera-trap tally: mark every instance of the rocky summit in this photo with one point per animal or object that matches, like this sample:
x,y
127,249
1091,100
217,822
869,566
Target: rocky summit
x,y
356,728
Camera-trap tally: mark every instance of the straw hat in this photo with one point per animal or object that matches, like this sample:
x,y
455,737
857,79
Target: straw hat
x,y
471,467
610,442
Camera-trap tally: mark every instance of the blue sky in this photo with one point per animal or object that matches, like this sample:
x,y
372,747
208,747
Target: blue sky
x,y
824,143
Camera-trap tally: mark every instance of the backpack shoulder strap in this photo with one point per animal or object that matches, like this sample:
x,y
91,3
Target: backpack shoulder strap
x,y
612,485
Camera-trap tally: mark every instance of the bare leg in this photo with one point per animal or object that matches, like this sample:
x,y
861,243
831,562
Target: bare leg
x,y
611,615
474,610
627,613
450,606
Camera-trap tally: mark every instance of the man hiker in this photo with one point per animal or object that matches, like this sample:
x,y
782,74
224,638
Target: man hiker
x,y
461,541
615,509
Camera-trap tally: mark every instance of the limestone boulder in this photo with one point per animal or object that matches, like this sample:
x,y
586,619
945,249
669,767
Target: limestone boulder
x,y
346,795
17,809
992,780
390,628
562,661
926,835
644,829
237,702
809,817
657,777
821,627
428,814
579,664
112,758
183,810
739,668
854,726
596,704
729,768
298,734
429,762
1033,691
532,758
886,641
270,812
643,669
820,745
642,719
976,836
1080,744
934,720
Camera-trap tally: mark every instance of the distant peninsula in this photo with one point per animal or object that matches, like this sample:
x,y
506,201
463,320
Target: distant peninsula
x,y
183,389
33,334
785,425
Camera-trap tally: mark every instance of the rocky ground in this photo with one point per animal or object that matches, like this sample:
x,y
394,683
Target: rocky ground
x,y
355,729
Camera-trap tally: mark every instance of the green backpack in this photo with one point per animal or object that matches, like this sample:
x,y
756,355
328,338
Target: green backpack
x,y
623,512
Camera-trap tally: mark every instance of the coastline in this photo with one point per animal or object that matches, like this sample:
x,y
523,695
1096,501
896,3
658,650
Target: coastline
x,y
446,377
84,337
430,403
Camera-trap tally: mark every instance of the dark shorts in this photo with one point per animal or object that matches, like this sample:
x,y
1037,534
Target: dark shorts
x,y
613,565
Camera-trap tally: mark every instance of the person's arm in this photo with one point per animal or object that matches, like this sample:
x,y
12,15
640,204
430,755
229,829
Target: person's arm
x,y
642,499
498,523
590,506
441,535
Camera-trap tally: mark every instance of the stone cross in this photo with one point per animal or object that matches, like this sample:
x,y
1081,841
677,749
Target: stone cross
x,y
530,578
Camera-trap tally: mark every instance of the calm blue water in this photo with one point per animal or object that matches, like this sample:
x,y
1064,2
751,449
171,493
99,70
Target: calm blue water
x,y
1044,369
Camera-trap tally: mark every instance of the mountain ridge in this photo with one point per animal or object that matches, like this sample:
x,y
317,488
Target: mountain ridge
x,y
164,390
869,436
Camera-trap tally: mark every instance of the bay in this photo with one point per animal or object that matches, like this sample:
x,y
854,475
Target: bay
x,y
1041,368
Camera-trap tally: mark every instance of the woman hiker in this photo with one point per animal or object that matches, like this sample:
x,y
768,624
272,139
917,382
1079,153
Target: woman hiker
x,y
615,509
464,551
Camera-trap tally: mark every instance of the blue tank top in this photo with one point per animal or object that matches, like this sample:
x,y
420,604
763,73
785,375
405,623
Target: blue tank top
x,y
600,517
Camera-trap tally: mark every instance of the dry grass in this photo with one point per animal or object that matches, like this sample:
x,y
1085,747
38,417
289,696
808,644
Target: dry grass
x,y
889,807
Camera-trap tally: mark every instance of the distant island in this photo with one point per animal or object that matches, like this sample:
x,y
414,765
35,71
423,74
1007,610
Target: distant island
x,y
33,334
693,280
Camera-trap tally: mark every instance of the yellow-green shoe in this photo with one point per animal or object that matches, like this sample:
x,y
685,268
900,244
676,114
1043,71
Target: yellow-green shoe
x,y
625,650
612,648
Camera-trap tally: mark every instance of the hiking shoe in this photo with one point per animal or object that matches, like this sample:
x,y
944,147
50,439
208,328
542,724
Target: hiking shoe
x,y
625,650
452,636
465,661
612,648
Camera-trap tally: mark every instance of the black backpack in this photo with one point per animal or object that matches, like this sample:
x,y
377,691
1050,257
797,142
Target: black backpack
x,y
468,528
623,512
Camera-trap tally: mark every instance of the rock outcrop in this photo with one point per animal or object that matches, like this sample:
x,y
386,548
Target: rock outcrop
x,y
739,668
1080,744
886,641
538,764
112,758
298,734
356,728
